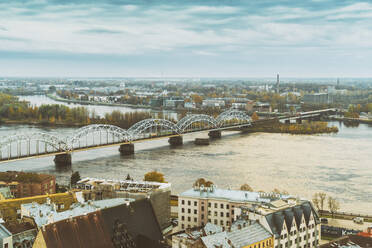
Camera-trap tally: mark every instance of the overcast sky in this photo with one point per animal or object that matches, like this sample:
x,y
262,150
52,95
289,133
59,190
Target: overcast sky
x,y
221,38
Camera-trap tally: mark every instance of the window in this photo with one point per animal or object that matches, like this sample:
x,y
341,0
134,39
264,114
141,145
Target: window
x,y
232,212
209,212
195,219
215,213
215,222
209,220
221,205
195,203
189,203
227,223
6,245
202,208
215,205
209,204
188,226
189,211
202,216
221,222
221,214
183,210
195,211
189,218
227,214
183,217
227,206
183,202
183,226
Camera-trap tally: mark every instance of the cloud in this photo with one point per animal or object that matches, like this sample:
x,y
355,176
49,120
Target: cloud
x,y
231,29
99,31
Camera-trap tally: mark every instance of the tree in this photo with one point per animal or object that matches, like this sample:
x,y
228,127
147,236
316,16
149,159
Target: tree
x,y
154,176
284,192
333,205
316,201
201,181
322,198
75,177
255,117
246,187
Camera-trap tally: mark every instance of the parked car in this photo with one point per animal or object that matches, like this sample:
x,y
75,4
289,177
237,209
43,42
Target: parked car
x,y
358,220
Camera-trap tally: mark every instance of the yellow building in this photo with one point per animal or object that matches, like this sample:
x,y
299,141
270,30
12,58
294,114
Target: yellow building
x,y
10,209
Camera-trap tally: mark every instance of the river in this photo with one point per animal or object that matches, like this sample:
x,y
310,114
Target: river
x,y
338,164
100,110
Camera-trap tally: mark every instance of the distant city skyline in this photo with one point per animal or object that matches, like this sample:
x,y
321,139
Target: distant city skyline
x,y
127,38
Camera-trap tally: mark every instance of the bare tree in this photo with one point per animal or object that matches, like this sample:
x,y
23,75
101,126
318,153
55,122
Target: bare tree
x,y
333,205
246,187
316,201
322,199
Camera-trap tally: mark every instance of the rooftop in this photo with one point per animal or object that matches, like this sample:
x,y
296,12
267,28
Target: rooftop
x,y
350,241
122,185
232,195
238,237
47,213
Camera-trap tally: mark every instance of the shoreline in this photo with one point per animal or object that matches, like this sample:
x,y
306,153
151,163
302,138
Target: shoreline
x,y
99,103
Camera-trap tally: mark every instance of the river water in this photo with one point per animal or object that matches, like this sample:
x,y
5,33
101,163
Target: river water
x,y
338,164
99,110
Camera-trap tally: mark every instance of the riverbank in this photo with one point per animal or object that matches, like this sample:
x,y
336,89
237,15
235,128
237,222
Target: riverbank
x,y
307,128
55,98
40,123
350,120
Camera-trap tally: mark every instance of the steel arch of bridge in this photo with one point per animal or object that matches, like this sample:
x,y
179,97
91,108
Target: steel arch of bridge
x,y
188,120
58,144
140,127
233,114
120,134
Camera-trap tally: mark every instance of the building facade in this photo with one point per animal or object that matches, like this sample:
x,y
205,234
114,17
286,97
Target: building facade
x,y
25,184
201,205
293,225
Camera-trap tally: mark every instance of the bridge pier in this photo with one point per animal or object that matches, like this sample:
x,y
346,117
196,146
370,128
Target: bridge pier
x,y
201,141
62,159
126,149
216,134
175,140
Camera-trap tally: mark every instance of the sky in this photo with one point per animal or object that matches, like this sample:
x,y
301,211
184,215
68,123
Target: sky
x,y
173,38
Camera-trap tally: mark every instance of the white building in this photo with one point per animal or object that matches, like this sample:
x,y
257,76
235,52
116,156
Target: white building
x,y
201,205
293,224
214,103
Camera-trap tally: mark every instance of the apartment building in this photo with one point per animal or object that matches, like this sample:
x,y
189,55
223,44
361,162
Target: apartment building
x,y
293,224
201,205
26,184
